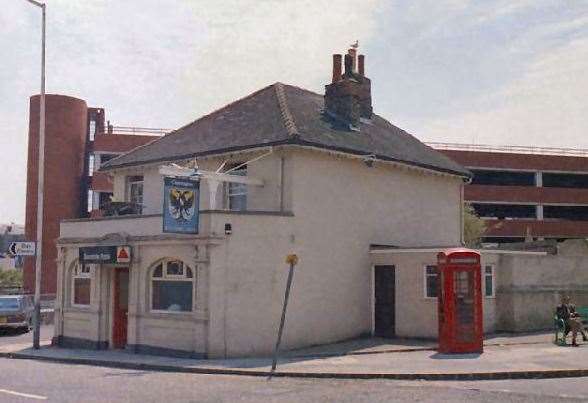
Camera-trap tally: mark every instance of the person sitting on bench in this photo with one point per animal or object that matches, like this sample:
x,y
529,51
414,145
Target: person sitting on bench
x,y
572,321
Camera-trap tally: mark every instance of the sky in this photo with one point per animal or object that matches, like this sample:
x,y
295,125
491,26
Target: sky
x,y
484,72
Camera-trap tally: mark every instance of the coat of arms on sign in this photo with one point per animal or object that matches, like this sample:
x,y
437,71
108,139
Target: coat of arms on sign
x,y
181,204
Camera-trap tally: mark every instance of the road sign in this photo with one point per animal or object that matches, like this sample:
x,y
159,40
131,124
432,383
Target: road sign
x,y
22,248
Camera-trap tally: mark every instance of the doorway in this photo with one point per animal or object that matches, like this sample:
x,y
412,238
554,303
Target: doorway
x,y
384,301
120,307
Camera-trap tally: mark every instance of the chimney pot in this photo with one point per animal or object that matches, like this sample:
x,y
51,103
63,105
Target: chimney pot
x,y
361,65
348,64
353,53
337,67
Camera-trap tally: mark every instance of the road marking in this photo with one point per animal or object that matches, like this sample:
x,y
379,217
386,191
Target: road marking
x,y
11,392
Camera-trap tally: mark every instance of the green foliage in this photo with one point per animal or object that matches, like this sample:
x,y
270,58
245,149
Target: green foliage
x,y
473,227
11,278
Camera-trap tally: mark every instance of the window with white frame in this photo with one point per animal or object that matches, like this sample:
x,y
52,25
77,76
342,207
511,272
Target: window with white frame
x,y
172,286
431,279
92,129
135,192
237,192
489,290
81,284
91,164
90,200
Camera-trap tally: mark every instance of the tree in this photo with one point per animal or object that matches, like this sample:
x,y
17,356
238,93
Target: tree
x,y
10,278
473,227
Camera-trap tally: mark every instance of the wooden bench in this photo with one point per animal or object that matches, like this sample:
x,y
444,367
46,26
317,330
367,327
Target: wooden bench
x,y
560,326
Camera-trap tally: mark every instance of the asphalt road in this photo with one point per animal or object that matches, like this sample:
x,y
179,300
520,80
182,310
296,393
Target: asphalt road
x,y
11,336
29,381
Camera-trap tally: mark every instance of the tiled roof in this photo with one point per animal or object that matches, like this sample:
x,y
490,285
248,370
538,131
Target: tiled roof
x,y
282,114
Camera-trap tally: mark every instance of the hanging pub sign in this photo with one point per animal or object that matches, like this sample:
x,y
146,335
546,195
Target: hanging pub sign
x,y
180,205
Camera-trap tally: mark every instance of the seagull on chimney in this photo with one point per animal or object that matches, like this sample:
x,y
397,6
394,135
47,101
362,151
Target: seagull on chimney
x,y
355,45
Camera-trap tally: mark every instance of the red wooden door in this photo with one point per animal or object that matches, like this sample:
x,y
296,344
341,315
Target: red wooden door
x,y
121,307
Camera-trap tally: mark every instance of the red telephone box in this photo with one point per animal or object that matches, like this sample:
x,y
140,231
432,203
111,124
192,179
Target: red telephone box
x,y
460,301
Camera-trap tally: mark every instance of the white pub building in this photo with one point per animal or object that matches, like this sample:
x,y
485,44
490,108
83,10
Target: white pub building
x,y
283,170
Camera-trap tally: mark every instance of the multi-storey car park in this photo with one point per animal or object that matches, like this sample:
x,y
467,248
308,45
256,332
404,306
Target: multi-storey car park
x,y
78,140
525,192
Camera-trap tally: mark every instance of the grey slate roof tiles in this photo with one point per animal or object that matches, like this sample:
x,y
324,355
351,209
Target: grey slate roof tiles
x,y
284,114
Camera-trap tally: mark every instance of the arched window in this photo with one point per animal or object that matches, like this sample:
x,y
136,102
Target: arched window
x,y
81,284
172,286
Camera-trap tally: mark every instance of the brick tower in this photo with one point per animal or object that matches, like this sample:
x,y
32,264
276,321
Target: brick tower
x,y
65,156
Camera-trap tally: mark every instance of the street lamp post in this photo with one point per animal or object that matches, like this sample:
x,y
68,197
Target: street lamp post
x,y
40,184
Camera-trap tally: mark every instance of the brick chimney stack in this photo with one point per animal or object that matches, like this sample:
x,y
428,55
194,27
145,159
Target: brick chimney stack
x,y
348,98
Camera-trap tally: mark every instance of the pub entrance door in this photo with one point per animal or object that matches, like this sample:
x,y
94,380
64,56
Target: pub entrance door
x,y
384,301
120,307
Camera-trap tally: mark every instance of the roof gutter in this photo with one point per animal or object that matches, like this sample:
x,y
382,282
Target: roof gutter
x,y
368,158
293,141
188,157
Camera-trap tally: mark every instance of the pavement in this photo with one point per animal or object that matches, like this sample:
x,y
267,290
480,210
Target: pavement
x,y
504,357
376,345
17,336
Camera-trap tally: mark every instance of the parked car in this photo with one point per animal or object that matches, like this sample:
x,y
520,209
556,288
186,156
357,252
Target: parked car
x,y
16,312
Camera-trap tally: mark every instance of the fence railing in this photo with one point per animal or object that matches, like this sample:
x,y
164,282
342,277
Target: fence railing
x,y
136,130
576,152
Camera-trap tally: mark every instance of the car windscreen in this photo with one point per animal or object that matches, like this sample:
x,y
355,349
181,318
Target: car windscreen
x,y
9,303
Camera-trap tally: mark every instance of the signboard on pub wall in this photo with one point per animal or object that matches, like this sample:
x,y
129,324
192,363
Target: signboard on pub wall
x,y
123,254
98,254
105,254
180,205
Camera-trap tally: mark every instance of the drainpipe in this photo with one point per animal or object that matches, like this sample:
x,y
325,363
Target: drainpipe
x,y
461,211
63,292
282,162
98,286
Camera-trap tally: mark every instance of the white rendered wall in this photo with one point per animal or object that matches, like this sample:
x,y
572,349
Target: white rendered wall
x,y
341,207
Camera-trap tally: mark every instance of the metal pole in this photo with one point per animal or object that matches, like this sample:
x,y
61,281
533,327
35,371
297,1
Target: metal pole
x,y
40,185
292,259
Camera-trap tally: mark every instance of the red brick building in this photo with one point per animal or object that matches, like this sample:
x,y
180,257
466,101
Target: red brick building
x,y
77,141
526,191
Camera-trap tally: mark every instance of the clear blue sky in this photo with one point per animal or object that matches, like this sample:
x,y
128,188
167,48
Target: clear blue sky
x,y
490,72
